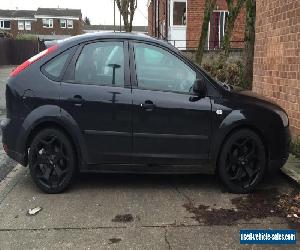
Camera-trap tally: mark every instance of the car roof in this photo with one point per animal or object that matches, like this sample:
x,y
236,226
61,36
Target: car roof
x,y
71,41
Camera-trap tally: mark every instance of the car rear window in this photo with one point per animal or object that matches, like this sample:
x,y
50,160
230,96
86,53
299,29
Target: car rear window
x,y
55,67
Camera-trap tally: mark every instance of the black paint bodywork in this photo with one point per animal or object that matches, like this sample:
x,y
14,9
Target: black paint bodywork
x,y
111,132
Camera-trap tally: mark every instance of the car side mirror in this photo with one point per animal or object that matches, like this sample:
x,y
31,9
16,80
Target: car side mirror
x,y
199,87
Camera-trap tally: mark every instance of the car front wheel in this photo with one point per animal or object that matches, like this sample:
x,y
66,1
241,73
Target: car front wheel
x,y
242,161
52,160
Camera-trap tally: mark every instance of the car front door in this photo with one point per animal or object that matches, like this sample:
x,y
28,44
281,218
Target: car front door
x,y
97,95
171,125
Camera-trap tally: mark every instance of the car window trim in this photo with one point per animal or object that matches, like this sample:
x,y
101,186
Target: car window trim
x,y
180,57
70,72
135,85
72,50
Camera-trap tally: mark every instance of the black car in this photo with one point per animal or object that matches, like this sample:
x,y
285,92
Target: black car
x,y
128,103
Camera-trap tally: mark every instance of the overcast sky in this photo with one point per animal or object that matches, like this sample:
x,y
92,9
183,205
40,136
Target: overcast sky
x,y
99,11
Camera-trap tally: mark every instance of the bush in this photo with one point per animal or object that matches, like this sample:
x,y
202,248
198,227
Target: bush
x,y
227,71
295,147
26,37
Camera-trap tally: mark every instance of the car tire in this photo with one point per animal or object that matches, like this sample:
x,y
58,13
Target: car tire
x,y
52,160
242,161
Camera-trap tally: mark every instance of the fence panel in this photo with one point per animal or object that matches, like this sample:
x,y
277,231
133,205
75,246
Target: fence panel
x,y
16,52
5,58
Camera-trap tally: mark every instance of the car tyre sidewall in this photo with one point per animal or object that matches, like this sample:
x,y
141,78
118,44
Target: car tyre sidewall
x,y
71,154
226,147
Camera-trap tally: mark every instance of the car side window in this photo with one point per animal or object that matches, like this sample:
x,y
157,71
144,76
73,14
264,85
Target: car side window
x,y
53,69
158,69
101,63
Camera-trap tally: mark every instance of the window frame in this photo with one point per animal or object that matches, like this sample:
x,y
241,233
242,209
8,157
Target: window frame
x,y
69,76
50,23
70,21
186,16
223,28
60,23
2,21
21,22
28,22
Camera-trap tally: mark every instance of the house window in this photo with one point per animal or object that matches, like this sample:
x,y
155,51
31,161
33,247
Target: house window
x,y
47,23
63,23
179,13
70,24
20,25
216,30
27,25
24,25
4,24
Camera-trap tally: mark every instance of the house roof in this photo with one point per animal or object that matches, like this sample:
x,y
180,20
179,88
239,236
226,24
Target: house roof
x,y
17,13
41,12
58,12
111,27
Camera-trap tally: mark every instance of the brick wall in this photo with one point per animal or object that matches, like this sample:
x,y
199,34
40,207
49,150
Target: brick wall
x,y
162,18
195,13
277,55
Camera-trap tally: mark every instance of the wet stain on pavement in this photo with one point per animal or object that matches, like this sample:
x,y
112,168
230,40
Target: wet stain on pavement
x,y
114,240
262,204
123,218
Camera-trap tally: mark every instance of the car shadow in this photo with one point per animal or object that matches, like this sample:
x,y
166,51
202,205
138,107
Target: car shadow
x,y
198,182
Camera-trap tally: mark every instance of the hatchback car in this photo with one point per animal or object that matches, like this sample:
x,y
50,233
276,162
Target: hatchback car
x,y
129,103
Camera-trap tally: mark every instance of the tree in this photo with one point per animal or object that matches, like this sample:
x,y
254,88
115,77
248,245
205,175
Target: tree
x,y
87,21
209,7
127,9
234,10
249,43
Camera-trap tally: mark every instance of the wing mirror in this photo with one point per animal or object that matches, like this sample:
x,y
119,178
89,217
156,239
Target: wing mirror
x,y
199,87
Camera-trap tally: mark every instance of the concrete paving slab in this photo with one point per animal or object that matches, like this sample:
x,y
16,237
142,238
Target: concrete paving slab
x,y
218,237
119,238
83,216
292,168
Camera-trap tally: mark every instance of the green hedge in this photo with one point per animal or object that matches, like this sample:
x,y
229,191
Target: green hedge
x,y
229,71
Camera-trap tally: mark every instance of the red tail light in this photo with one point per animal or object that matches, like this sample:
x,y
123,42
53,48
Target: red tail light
x,y
32,60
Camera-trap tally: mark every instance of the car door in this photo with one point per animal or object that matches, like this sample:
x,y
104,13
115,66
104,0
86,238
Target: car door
x,y
171,125
96,93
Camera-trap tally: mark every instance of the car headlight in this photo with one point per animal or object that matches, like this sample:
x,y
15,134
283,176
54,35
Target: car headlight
x,y
284,117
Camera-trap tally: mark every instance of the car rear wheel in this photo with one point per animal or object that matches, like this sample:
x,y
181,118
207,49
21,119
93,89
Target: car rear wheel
x,y
242,161
52,160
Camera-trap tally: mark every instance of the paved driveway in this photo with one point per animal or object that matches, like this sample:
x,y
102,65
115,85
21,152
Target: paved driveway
x,y
137,212
6,164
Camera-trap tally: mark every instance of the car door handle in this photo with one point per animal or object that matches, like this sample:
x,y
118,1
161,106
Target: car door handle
x,y
148,105
77,100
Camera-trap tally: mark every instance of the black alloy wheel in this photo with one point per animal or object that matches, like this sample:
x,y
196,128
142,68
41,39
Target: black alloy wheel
x,y
242,162
52,160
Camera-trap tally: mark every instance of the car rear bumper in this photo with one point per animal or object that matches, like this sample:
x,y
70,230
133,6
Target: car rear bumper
x,y
10,142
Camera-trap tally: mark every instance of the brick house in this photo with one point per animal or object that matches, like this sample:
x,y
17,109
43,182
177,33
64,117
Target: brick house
x,y
277,55
180,22
44,22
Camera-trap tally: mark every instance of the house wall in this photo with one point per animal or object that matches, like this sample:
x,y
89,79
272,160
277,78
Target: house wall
x,y
161,21
195,15
277,55
37,28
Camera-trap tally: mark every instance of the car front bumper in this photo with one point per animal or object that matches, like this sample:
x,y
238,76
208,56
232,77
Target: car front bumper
x,y
279,157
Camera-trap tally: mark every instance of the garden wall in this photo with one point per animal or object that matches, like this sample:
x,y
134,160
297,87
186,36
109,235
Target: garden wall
x,y
277,55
